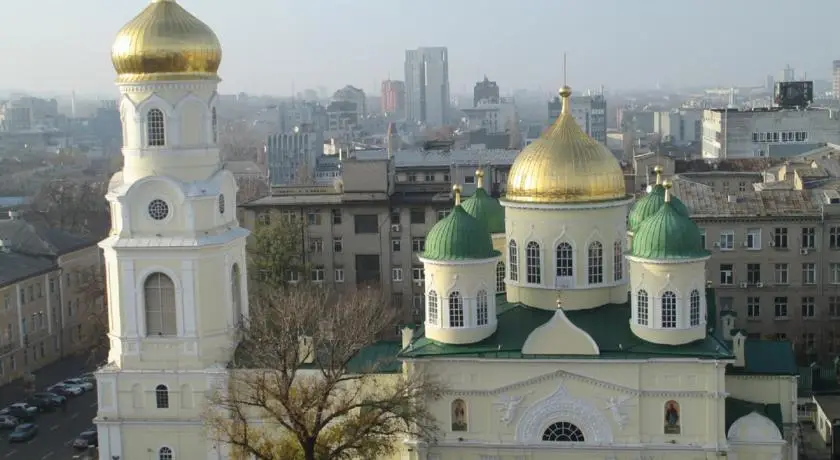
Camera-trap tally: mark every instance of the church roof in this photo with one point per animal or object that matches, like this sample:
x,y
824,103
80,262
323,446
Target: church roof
x,y
737,408
667,235
486,209
459,236
648,205
608,325
766,357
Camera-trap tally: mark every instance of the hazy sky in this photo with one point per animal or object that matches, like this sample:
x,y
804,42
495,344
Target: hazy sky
x,y
272,45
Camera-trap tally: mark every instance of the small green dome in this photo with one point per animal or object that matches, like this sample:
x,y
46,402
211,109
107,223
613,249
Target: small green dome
x,y
459,236
650,204
486,209
668,234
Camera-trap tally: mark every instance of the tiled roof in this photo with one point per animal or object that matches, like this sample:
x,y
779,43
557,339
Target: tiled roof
x,y
703,201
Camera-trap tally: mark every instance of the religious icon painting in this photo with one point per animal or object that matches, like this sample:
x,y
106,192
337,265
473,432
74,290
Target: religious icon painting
x,y
672,417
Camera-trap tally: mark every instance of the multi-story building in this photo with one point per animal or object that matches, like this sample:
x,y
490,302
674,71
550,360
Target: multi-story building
x,y
590,113
679,127
770,132
292,155
427,85
494,116
342,119
299,113
485,90
352,94
835,79
393,98
49,301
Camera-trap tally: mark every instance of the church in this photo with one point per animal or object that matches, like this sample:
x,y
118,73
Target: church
x,y
567,320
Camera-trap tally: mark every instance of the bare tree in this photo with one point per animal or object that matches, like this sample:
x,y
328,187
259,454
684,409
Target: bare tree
x,y
277,250
238,141
76,207
311,380
93,294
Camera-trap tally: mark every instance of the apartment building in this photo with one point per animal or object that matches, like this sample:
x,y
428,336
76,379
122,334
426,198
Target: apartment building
x,y
46,297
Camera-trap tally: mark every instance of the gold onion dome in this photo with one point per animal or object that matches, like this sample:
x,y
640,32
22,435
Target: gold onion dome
x,y
166,42
565,165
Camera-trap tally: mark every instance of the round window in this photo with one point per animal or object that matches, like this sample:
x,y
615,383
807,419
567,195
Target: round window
x,y
158,210
222,203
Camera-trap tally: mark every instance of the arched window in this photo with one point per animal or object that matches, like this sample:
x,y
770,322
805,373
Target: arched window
x,y
532,263
456,310
481,313
642,308
513,261
215,125
596,263
459,415
432,307
694,308
155,128
562,432
500,277
165,453
565,261
162,397
669,310
618,261
236,294
159,293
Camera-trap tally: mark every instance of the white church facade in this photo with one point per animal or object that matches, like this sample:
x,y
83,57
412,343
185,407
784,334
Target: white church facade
x,y
559,334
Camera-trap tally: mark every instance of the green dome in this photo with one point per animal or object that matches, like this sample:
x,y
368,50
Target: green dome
x,y
459,236
650,204
668,234
486,209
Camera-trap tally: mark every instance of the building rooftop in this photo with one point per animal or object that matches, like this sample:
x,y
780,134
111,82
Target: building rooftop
x,y
440,158
703,201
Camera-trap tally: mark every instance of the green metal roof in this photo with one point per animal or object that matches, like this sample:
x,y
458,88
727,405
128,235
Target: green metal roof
x,y
648,205
486,209
459,236
766,357
608,325
737,408
668,235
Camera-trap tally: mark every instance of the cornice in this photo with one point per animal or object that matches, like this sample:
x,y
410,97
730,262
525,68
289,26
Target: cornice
x,y
150,87
566,207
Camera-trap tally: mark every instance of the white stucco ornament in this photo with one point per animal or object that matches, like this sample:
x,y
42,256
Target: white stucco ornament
x,y
507,406
561,406
617,405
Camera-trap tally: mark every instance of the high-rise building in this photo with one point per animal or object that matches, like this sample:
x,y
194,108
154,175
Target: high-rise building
x,y
485,90
292,155
427,85
590,113
352,94
175,258
393,98
835,80
788,74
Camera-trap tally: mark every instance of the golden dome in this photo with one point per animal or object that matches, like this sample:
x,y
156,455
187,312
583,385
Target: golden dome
x,y
165,42
565,165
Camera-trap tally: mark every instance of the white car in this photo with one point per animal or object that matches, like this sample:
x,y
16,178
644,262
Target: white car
x,y
8,422
62,389
29,409
87,386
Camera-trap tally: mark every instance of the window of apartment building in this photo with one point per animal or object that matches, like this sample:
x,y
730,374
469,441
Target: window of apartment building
x,y
396,299
727,274
395,216
316,245
417,216
7,301
288,216
313,217
469,179
809,339
446,177
753,240
781,274
412,177
22,296
834,238
292,276
834,306
23,329
418,244
68,280
339,275
418,274
725,186
336,216
366,223
396,274
742,186
40,289
780,237
12,362
338,245
834,273
808,307
317,273
417,301
442,213
780,307
10,336
703,238
753,307
809,238
727,240
753,273
396,244
430,177
809,273
69,308
264,218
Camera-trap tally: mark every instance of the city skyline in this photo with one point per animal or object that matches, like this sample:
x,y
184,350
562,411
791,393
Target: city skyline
x,y
275,46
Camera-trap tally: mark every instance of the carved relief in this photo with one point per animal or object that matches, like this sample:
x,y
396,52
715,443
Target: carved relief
x,y
561,406
617,405
507,406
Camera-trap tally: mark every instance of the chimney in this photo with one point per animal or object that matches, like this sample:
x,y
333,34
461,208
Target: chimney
x,y
14,215
727,319
407,336
738,342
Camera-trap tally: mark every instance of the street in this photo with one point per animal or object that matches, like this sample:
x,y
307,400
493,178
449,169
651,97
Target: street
x,y
56,429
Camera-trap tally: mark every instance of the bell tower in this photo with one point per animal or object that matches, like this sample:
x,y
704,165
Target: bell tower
x,y
175,257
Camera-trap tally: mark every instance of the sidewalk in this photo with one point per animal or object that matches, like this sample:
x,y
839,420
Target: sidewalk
x,y
68,367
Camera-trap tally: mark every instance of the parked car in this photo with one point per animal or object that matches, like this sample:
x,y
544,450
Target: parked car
x,y
88,377
87,386
43,405
65,390
56,399
20,413
23,433
7,422
88,438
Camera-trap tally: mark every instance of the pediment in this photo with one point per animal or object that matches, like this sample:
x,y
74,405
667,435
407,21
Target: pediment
x,y
559,336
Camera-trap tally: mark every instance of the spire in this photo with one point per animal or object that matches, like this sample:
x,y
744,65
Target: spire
x,y
667,185
479,178
658,171
456,189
